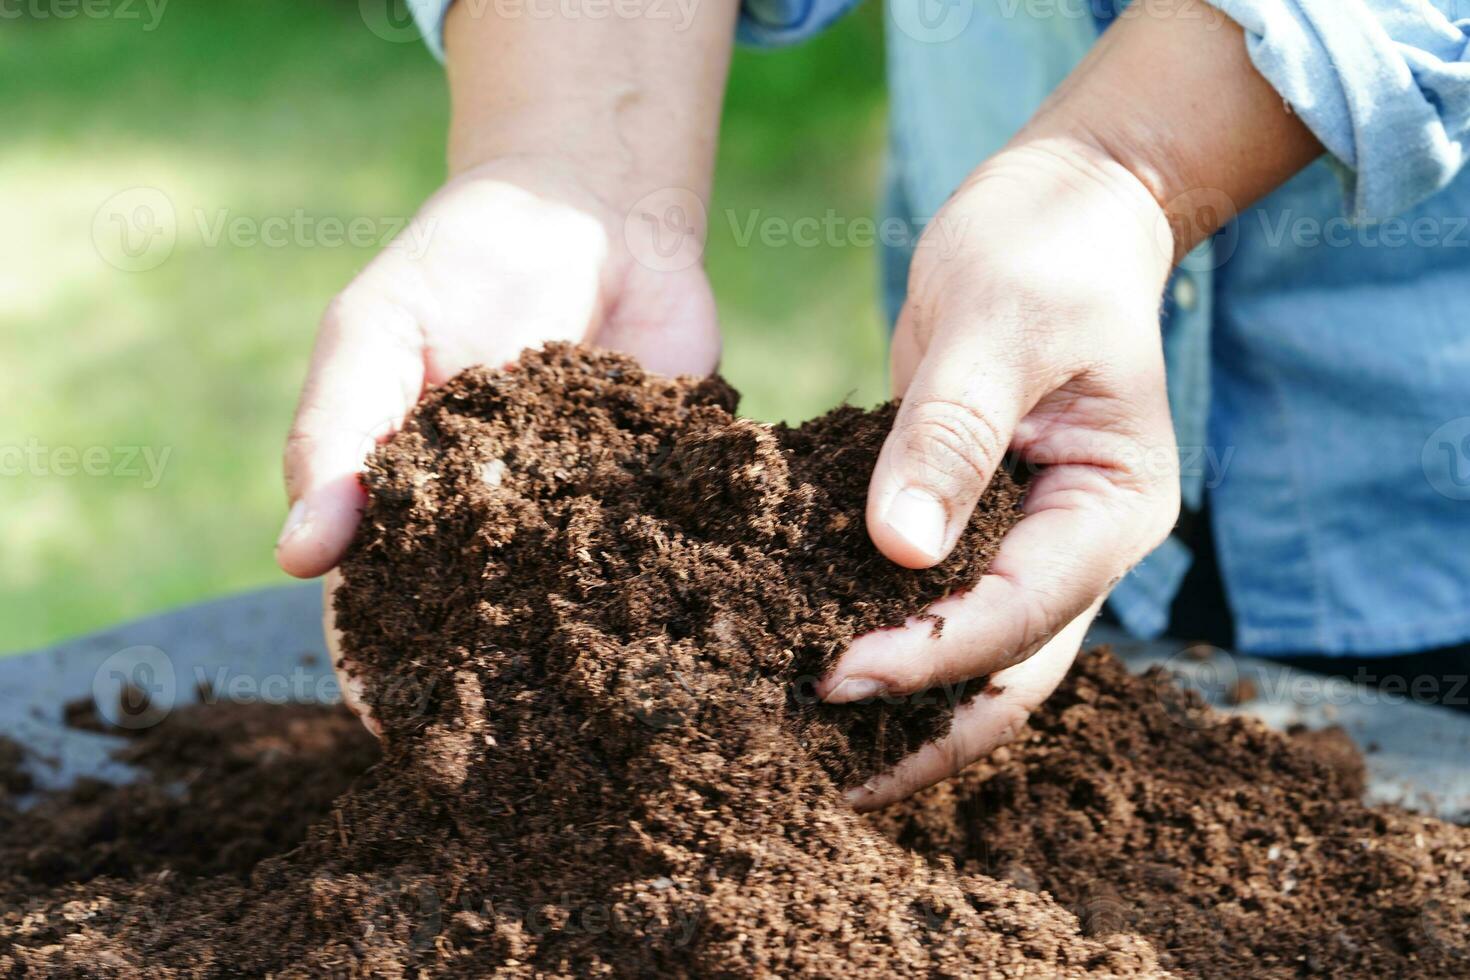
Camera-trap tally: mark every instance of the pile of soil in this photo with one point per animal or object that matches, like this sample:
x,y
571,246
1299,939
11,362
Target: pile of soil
x,y
226,785
587,606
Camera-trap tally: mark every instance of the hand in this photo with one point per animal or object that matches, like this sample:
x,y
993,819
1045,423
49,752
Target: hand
x,y
509,255
1032,326
1039,332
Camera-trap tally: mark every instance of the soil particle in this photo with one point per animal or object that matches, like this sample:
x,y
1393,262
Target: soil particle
x,y
14,777
1243,691
1334,748
588,606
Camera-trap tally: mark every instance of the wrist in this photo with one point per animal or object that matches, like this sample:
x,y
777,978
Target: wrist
x,y
1142,173
1099,191
610,163
614,156
633,105
1053,236
1171,97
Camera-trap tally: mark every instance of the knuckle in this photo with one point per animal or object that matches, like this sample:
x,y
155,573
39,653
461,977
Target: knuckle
x,y
1039,609
339,310
1168,508
300,446
348,308
1160,508
1037,617
296,457
914,669
1142,525
957,441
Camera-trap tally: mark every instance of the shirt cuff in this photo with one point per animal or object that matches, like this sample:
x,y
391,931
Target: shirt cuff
x,y
771,23
429,15
764,23
1384,84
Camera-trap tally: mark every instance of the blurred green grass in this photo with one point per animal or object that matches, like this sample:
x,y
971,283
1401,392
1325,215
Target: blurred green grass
x,y
260,108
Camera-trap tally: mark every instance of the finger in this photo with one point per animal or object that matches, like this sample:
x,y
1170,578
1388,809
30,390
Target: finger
x,y
352,687
953,426
1080,534
993,718
366,373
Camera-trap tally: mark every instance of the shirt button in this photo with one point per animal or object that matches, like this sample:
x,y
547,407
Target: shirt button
x,y
1186,293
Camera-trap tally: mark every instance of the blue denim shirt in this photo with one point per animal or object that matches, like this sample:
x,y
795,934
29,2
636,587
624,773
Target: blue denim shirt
x,y
1318,348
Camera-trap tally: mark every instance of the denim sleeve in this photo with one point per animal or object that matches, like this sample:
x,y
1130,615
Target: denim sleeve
x,y
766,23
1384,84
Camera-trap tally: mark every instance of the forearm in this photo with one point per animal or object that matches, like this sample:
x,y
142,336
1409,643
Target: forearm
x,y
631,101
1173,98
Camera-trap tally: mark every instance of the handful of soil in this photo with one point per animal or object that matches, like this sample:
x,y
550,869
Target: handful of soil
x,y
587,605
630,555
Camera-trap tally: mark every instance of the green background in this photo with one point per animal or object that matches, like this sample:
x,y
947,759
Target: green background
x,y
256,109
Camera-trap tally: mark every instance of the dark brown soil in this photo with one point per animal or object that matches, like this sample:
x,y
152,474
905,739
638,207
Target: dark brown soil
x,y
227,786
1237,851
14,778
589,605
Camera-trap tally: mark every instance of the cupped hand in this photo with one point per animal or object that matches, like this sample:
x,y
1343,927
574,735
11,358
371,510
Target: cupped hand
x,y
1031,326
508,255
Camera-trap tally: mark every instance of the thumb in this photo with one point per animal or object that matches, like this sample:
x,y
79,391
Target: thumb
x,y
366,373
952,430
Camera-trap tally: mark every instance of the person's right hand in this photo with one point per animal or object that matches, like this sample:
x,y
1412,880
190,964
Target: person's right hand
x,y
1031,327
1035,331
508,255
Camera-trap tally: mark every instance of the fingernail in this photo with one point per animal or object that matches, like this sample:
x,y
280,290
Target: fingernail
x,y
296,519
920,518
852,689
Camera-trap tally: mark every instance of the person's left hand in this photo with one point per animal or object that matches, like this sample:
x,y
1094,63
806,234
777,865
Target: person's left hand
x,y
1031,325
513,253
